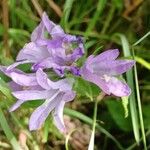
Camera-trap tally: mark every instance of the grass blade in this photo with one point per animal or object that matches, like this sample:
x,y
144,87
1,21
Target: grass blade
x,y
66,13
100,7
108,20
138,94
141,39
132,97
142,62
139,107
8,132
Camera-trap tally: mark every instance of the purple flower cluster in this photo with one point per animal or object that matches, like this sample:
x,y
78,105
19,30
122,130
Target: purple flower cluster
x,y
51,49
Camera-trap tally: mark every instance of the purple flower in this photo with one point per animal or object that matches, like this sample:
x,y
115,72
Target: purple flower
x,y
27,87
103,69
59,51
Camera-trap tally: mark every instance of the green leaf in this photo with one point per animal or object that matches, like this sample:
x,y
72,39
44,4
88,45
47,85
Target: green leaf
x,y
115,109
85,88
125,103
146,112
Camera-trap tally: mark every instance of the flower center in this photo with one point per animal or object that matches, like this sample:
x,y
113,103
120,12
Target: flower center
x,y
106,78
69,47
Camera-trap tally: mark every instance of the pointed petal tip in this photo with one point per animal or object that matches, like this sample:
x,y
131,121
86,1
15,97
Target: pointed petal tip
x,y
33,127
114,51
11,109
64,131
131,63
44,14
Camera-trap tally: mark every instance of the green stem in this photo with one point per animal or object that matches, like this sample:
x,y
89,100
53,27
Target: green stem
x,y
91,144
98,99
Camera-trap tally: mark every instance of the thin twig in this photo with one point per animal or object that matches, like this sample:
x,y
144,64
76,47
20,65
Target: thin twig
x,y
37,7
55,7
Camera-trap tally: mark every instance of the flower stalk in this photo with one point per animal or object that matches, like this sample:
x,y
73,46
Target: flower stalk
x,y
98,100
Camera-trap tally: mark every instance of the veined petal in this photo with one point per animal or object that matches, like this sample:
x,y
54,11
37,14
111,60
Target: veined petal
x,y
116,67
16,105
46,83
38,32
42,79
46,63
89,76
53,29
118,88
33,94
58,116
41,113
106,55
23,79
33,53
110,85
10,67
69,96
62,85
14,86
20,77
58,113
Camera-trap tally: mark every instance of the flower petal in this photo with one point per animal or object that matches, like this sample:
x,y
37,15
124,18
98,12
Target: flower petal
x,y
33,94
45,64
116,67
16,105
89,76
58,116
69,96
33,53
53,29
118,88
107,55
20,77
38,32
42,112
62,85
42,79
46,83
110,85
14,86
10,67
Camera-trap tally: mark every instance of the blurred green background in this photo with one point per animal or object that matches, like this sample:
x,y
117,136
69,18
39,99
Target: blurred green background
x,y
122,123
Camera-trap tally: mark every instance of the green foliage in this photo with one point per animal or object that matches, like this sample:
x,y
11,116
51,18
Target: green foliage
x,y
102,24
116,110
85,88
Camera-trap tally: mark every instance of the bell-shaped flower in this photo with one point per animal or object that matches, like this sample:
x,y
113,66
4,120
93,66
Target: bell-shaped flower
x,y
103,70
51,47
37,86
